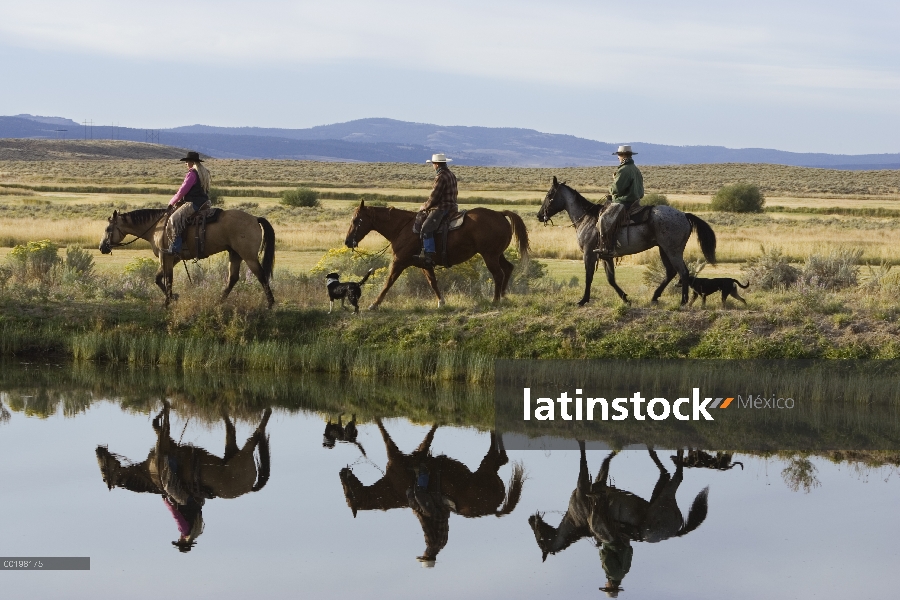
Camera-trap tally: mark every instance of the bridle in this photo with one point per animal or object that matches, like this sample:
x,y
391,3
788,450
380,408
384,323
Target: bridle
x,y
116,228
545,207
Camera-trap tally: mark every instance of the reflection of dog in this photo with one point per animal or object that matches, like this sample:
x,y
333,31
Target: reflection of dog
x,y
349,290
337,432
704,287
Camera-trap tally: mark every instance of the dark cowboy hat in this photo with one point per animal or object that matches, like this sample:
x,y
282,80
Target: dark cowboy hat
x,y
191,157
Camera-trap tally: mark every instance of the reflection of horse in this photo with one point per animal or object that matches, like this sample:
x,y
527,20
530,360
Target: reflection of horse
x,y
667,228
186,476
241,234
433,486
338,432
486,232
615,518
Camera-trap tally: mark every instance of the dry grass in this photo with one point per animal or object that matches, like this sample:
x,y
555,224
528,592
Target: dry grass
x,y
676,179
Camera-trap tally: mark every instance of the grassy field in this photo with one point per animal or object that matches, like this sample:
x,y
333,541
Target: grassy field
x,y
94,317
677,179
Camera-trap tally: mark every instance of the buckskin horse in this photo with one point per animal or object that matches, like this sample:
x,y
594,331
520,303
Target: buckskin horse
x,y
666,227
452,486
484,231
240,234
233,475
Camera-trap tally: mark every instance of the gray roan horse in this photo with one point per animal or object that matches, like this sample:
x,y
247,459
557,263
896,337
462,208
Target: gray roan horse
x,y
186,475
618,517
450,486
667,228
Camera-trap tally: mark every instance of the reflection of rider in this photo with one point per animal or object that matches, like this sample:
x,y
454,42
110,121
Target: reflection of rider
x,y
431,509
625,193
190,198
616,560
189,519
441,203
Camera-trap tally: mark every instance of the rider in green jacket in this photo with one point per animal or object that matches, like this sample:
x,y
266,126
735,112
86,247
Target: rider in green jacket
x,y
626,190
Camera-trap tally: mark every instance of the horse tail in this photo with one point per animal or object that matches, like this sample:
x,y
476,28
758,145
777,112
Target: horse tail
x,y
513,490
705,236
519,230
268,261
263,467
697,514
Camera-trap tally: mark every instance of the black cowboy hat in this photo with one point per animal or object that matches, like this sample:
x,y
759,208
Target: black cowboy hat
x,y
191,157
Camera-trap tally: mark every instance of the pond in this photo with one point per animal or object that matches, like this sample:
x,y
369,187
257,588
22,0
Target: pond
x,y
267,505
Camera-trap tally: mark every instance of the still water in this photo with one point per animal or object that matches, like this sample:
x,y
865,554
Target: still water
x,y
278,518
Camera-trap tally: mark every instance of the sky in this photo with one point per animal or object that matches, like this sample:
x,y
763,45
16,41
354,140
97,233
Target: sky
x,y
805,76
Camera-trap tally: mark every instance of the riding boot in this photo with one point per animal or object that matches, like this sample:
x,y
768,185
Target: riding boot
x,y
431,259
175,248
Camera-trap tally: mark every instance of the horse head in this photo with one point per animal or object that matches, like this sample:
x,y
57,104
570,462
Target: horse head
x,y
109,466
544,534
112,236
552,204
360,225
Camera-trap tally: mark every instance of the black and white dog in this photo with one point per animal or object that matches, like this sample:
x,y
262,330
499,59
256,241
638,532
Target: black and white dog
x,y
349,290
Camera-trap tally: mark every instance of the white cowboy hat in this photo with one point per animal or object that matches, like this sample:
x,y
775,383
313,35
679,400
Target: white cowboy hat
x,y
624,150
439,158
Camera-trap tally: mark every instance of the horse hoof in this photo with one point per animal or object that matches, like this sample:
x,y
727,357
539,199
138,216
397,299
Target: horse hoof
x,y
583,302
373,307
440,302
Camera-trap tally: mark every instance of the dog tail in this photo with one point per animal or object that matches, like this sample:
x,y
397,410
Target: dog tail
x,y
742,285
368,273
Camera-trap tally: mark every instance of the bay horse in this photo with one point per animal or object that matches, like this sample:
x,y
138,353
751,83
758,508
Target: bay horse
x,y
452,487
240,234
186,476
668,228
614,516
486,232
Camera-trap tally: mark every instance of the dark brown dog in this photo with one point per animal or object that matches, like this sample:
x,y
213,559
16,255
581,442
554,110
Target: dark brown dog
x,y
704,287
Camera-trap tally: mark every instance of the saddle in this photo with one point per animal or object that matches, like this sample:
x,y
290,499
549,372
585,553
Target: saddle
x,y
450,223
199,220
635,214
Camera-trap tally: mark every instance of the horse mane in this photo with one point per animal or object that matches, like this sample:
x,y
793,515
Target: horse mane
x,y
592,209
143,215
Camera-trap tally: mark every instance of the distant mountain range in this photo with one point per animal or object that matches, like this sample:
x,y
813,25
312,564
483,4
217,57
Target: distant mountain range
x,y
388,140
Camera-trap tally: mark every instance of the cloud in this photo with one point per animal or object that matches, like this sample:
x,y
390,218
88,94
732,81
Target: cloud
x,y
803,49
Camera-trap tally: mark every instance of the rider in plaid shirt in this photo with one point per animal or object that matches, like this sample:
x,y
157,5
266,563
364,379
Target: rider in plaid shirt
x,y
440,204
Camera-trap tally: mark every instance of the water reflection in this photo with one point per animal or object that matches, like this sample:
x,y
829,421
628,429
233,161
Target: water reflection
x,y
432,487
615,518
187,476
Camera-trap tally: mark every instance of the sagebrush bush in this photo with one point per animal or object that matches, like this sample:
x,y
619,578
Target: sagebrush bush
x,y
655,200
882,279
836,270
771,270
738,197
350,262
35,260
79,261
300,197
